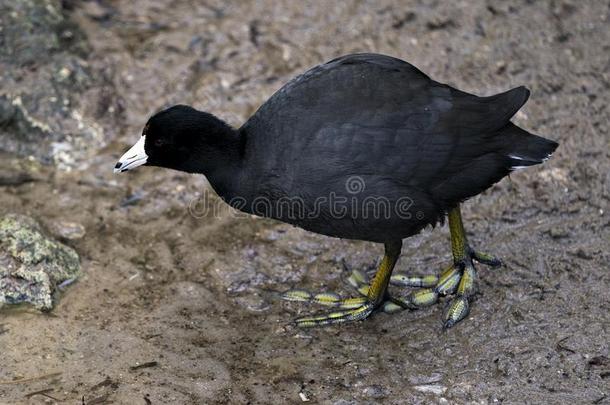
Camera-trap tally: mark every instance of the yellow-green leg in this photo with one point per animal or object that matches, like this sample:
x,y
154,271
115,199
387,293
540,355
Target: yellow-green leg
x,y
352,309
458,279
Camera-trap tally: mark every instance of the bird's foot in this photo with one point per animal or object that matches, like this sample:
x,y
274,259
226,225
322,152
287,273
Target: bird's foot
x,y
349,309
458,280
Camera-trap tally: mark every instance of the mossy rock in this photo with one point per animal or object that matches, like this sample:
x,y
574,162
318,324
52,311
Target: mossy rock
x,y
32,264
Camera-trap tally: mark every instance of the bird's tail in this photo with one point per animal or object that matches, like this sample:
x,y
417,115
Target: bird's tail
x,y
524,149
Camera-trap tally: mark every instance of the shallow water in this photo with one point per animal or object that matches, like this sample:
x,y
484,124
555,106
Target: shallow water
x,y
177,307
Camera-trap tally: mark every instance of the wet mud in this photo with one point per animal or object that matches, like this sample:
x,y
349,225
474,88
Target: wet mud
x,y
178,298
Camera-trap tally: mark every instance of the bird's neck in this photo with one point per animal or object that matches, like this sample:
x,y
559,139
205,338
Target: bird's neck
x,y
222,162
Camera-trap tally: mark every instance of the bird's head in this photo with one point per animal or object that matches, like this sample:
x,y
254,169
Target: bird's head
x,y
180,138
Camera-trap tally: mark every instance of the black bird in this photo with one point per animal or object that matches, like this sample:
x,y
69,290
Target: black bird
x,y
363,147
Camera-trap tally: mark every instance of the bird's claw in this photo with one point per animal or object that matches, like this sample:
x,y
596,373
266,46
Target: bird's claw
x,y
458,279
351,309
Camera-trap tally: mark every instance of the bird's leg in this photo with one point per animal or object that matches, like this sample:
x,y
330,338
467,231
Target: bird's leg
x,y
462,258
458,279
353,309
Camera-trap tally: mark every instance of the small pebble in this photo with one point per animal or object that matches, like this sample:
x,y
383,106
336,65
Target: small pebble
x,y
431,388
68,230
375,391
425,379
253,303
558,233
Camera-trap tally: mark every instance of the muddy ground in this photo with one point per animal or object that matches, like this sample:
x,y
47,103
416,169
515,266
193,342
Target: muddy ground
x,y
178,305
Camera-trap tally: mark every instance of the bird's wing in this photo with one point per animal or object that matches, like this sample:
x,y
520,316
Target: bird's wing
x,y
376,115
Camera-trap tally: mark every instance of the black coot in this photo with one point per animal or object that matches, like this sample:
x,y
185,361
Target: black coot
x,y
363,147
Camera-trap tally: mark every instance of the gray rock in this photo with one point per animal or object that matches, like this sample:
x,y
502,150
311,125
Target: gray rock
x,y
53,100
31,264
16,171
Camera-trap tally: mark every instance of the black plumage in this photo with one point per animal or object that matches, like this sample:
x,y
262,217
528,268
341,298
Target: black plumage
x,y
365,118
363,147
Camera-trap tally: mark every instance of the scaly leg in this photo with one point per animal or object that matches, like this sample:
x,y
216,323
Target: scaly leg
x,y
354,309
458,279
